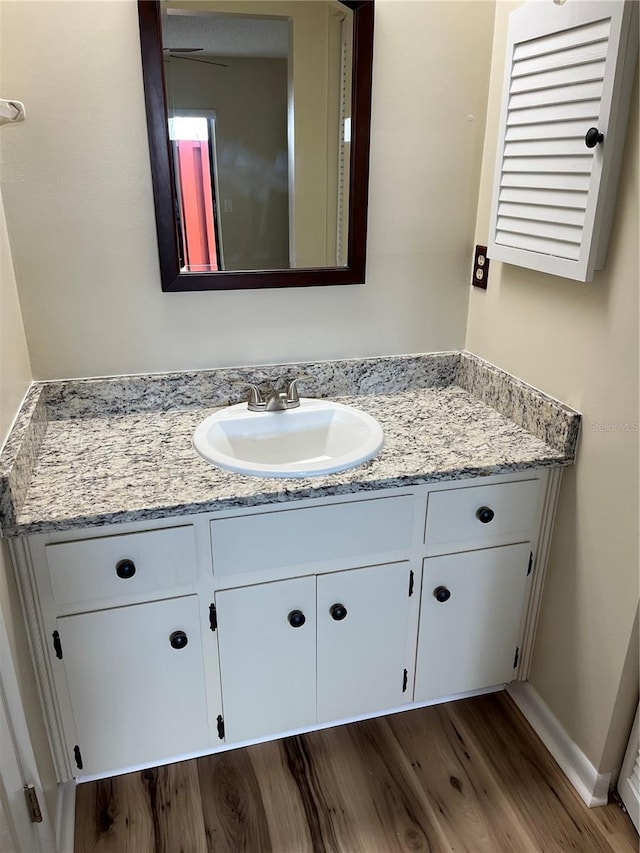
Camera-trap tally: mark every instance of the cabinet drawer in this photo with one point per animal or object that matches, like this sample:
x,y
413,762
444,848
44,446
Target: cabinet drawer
x,y
481,516
116,567
349,534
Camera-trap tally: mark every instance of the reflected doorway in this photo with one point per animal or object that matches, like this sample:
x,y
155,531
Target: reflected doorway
x,y
194,156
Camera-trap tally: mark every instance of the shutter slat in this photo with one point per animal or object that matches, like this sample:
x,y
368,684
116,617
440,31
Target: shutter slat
x,y
550,197
547,130
562,59
537,244
549,230
586,110
547,147
578,182
540,213
570,165
591,72
575,37
560,95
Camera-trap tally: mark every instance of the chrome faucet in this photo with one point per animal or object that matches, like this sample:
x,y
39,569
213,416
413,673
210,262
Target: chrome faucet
x,y
277,401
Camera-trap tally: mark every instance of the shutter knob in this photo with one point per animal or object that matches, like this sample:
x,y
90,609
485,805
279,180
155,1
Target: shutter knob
x,y
441,594
593,137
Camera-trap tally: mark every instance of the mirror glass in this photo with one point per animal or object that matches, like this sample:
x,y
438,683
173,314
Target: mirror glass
x,y
258,113
259,116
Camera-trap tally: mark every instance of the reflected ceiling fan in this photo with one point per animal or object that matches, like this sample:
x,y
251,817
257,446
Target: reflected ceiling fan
x,y
178,53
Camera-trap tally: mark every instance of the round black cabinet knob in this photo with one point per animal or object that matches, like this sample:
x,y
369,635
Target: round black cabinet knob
x,y
338,612
125,569
441,594
593,137
485,514
296,618
178,640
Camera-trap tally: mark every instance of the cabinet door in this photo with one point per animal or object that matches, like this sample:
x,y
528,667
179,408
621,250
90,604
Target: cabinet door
x,y
267,658
363,617
135,697
469,620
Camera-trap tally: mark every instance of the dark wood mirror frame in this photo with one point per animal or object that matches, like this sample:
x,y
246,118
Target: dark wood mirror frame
x,y
173,279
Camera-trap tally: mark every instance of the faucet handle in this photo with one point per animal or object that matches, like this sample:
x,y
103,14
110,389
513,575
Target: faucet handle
x,y
256,402
293,398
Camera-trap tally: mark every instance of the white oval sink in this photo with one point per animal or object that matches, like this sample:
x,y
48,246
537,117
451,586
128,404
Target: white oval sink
x,y
318,437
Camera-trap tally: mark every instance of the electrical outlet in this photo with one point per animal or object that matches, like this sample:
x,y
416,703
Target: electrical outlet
x,y
480,268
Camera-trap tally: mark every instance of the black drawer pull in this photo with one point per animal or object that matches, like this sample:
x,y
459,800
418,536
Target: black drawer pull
x,y
338,612
441,594
178,640
296,618
485,514
125,569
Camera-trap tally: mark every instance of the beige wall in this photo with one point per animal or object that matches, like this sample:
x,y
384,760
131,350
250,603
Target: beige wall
x,y
79,206
579,342
15,377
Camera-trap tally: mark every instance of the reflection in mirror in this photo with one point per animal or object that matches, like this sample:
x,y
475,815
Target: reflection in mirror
x,y
259,142
266,129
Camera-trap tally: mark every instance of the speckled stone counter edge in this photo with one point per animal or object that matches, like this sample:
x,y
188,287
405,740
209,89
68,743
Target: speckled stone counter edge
x,y
541,415
548,419
20,452
158,392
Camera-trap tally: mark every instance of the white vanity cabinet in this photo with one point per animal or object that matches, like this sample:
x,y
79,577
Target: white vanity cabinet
x,y
366,623
315,649
156,640
126,635
470,620
474,585
267,642
136,682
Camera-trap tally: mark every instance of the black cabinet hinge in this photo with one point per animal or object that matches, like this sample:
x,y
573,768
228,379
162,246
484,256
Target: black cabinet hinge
x,y
410,583
213,617
57,645
220,727
516,657
530,564
33,806
404,681
78,756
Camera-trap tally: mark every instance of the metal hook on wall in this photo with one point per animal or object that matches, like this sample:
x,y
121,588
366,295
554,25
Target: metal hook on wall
x,y
11,111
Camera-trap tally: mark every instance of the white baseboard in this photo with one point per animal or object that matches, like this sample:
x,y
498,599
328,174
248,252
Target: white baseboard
x,y
593,787
66,817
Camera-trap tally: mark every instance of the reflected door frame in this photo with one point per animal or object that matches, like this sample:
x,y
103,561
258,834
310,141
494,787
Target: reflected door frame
x,y
210,116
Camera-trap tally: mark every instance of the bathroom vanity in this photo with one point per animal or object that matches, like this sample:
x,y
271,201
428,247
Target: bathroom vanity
x,y
175,609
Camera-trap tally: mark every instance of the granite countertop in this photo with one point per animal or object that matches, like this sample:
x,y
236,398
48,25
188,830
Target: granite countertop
x,y
93,452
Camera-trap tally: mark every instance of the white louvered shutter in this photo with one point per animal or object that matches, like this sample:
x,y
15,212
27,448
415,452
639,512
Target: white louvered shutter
x,y
629,781
568,68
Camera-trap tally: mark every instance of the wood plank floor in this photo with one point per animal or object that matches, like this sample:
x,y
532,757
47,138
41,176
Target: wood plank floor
x,y
464,776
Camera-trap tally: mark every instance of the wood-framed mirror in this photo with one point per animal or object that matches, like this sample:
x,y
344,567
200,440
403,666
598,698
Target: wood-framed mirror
x,y
216,214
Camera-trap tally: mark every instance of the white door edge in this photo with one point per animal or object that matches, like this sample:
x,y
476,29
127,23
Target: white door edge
x,y
628,780
18,766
